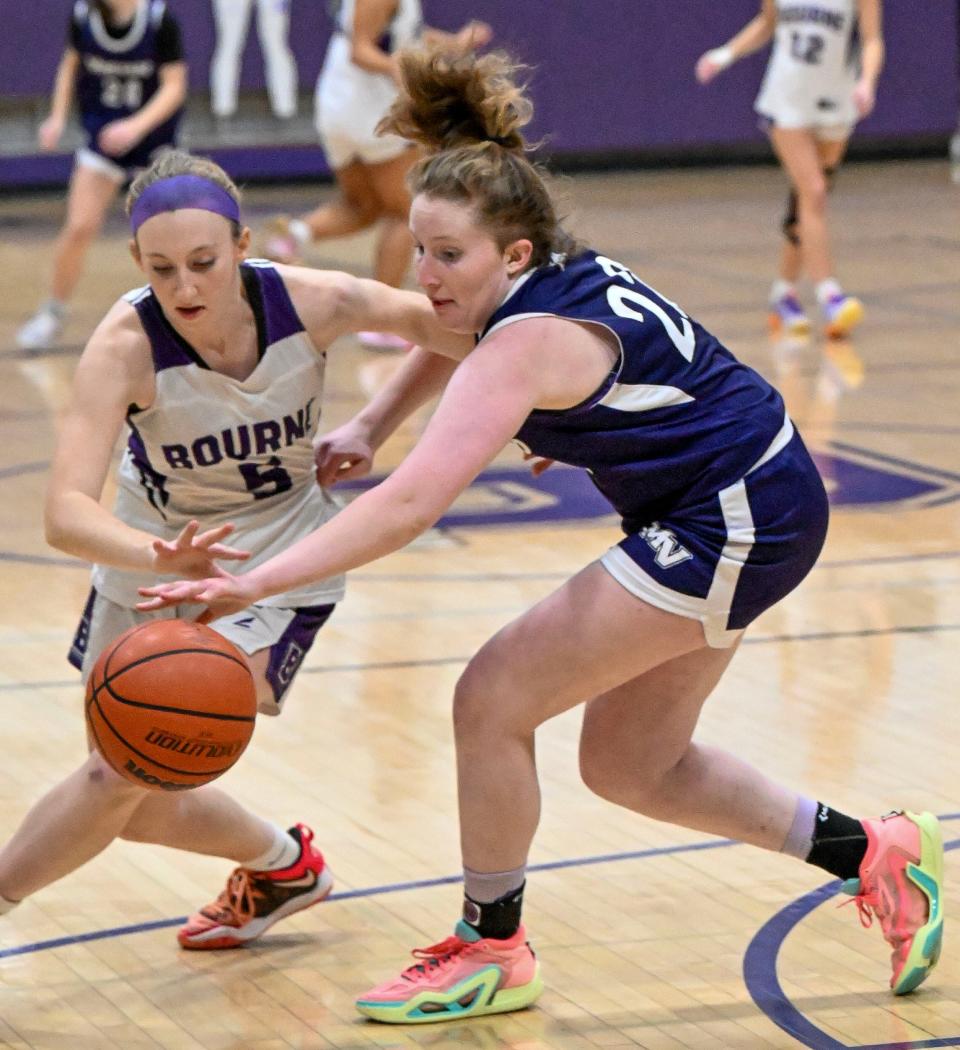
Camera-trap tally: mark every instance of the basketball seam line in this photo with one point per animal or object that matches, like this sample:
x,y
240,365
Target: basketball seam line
x,y
211,774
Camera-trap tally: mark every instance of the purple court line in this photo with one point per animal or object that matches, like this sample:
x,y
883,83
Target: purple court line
x,y
760,975
445,661
759,966
369,891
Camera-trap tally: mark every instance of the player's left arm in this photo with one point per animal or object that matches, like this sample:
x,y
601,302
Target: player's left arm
x,y
872,53
168,98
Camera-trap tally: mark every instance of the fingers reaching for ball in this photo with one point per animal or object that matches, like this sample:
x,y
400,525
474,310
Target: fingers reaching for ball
x,y
194,554
223,594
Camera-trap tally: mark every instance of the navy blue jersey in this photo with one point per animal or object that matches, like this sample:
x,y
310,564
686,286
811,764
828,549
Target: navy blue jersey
x,y
678,419
119,74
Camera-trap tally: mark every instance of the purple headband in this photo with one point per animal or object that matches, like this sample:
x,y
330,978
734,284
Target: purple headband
x,y
182,191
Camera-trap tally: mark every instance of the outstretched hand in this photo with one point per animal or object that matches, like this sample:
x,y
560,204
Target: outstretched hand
x,y
343,453
194,554
223,594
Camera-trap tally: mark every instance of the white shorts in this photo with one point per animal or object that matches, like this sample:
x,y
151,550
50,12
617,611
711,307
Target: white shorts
x,y
287,633
821,132
87,158
343,148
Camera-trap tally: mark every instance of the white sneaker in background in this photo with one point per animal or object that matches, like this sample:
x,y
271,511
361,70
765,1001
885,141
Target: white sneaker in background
x,y
44,329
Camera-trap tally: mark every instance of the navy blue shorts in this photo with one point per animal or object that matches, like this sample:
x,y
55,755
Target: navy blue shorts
x,y
728,559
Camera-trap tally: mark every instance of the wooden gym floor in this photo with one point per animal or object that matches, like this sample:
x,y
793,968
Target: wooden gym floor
x,y
650,936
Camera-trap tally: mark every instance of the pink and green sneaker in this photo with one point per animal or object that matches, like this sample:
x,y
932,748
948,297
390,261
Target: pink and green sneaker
x,y
463,976
901,883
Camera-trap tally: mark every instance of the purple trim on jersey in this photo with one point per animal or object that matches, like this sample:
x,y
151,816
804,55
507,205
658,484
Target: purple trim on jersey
x,y
81,639
183,191
279,315
287,653
168,348
153,483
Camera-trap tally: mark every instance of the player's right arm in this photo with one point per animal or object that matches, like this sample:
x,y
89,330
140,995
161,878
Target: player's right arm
x,y
63,86
114,372
348,451
757,32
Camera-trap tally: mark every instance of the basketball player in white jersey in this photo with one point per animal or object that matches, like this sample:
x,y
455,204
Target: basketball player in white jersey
x,y
217,369
356,86
821,79
232,19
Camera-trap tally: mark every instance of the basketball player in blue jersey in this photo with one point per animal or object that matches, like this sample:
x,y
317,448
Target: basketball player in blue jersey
x,y
124,63
821,79
723,514
217,369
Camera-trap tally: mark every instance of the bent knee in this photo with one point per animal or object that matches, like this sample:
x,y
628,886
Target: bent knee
x,y
813,198
366,210
483,703
81,231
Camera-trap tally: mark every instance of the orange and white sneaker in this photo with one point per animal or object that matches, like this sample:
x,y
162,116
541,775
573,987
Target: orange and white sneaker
x,y
463,976
254,900
901,883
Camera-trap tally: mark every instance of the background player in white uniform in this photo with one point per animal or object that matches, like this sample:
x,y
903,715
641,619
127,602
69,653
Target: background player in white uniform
x,y
354,91
217,369
723,514
821,79
232,19
124,63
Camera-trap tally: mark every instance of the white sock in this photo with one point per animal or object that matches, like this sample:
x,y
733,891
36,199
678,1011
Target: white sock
x,y
7,905
780,288
299,231
282,852
827,289
799,840
487,887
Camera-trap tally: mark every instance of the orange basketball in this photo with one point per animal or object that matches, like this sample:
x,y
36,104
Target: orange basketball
x,y
171,704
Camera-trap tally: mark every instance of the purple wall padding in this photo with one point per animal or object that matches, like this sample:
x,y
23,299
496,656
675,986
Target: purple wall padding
x,y
610,75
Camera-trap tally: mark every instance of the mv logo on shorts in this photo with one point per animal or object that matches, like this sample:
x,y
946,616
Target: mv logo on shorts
x,y
664,542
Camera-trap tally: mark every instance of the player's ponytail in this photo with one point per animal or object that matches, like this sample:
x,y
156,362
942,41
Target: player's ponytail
x,y
467,112
452,100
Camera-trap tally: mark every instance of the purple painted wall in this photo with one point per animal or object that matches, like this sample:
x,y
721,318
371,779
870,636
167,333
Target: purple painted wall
x,y
610,74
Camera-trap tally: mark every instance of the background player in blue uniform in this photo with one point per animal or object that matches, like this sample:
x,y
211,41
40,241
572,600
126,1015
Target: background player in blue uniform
x,y
124,63
216,370
723,513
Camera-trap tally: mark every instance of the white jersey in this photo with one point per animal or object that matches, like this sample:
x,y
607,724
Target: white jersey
x,y
814,65
219,449
350,101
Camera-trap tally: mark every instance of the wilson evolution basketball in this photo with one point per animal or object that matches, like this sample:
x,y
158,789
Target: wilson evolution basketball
x,y
171,704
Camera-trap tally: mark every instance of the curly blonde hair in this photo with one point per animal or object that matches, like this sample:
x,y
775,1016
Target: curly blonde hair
x,y
467,112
